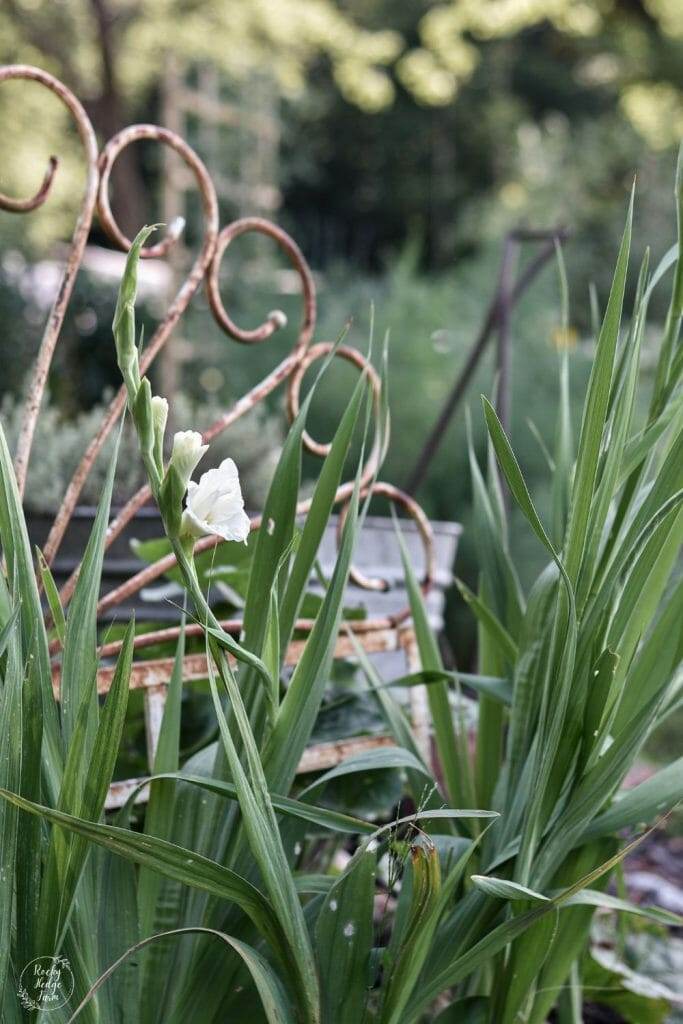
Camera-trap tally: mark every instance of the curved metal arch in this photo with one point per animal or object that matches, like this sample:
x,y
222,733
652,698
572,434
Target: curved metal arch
x,y
206,267
78,242
180,303
261,390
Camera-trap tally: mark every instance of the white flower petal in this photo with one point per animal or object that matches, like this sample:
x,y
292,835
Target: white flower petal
x,y
187,451
234,527
159,408
215,505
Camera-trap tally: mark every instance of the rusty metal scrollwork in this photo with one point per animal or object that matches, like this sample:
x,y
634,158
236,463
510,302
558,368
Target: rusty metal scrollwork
x,y
205,269
73,262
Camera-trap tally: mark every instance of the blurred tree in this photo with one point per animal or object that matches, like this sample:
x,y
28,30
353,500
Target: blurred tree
x,y
450,86
111,52
452,36
555,107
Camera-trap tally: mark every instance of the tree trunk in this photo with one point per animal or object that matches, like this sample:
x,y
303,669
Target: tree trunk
x,y
108,116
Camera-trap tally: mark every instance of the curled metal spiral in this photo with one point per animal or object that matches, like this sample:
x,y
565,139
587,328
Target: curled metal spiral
x,y
397,497
38,198
350,355
206,267
108,158
247,401
78,242
189,286
276,319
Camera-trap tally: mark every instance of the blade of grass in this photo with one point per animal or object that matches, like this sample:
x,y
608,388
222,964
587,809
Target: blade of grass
x,y
158,897
495,630
451,745
344,939
595,411
654,797
300,704
17,552
52,594
264,838
318,516
320,816
10,775
675,312
564,443
79,661
87,775
499,590
273,998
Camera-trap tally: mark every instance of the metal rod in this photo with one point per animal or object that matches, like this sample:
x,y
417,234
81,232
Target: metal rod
x,y
378,633
261,390
504,346
79,238
177,308
491,321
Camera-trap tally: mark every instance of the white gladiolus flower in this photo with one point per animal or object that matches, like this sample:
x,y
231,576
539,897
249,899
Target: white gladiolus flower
x,y
215,505
187,451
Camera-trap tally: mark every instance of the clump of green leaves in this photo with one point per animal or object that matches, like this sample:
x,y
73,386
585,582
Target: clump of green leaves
x,y
228,899
221,833
589,661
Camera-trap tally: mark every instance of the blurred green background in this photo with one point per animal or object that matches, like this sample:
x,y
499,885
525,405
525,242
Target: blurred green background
x,y
397,143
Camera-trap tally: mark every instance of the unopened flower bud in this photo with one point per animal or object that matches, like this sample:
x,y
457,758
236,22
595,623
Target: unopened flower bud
x,y
159,419
124,318
142,417
187,451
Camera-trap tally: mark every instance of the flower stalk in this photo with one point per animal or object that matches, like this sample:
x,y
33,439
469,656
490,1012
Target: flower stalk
x,y
215,504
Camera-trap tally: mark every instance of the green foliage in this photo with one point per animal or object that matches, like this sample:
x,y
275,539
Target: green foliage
x,y
578,92
583,703
498,890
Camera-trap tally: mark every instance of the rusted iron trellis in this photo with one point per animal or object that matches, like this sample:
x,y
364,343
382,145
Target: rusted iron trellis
x,y
375,634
